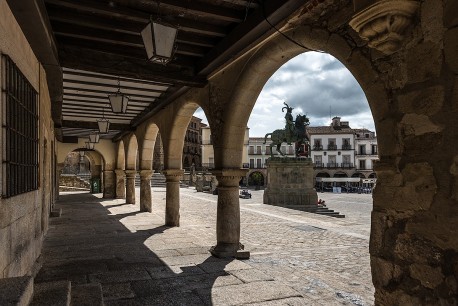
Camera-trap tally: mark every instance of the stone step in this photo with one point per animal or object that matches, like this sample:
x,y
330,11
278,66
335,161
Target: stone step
x,y
56,293
16,291
87,295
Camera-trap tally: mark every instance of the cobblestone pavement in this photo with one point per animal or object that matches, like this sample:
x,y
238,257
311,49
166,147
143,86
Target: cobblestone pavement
x,y
297,258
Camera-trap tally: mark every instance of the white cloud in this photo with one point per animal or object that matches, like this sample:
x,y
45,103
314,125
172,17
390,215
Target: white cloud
x,y
313,83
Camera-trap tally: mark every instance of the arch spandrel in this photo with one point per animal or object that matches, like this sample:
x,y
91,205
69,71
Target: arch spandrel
x,y
121,156
131,151
106,148
146,135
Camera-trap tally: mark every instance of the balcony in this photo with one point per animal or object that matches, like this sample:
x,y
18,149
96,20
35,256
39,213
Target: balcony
x,y
346,147
332,147
347,166
208,165
318,165
332,165
317,148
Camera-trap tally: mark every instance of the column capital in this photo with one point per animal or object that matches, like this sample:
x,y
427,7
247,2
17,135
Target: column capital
x,y
130,173
146,174
229,177
173,175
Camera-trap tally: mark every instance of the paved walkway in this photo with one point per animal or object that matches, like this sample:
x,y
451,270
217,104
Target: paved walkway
x,y
297,258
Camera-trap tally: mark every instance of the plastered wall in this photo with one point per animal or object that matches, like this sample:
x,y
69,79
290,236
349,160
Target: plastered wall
x,y
24,218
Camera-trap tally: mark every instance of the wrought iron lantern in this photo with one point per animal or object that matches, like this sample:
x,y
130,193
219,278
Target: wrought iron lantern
x,y
81,152
118,101
104,124
159,41
94,137
90,145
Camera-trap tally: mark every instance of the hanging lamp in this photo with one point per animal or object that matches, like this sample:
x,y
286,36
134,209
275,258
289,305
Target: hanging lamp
x,y
118,101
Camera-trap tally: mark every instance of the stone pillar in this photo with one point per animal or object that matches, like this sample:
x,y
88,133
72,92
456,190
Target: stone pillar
x,y
109,184
145,190
228,213
172,200
130,186
120,184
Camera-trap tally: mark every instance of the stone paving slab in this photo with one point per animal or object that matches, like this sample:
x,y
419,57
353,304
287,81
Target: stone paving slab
x,y
297,258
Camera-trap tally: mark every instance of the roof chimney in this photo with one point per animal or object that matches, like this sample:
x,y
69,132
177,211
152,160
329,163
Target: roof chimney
x,y
336,122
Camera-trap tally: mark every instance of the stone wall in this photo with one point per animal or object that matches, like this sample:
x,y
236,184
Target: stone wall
x,y
24,218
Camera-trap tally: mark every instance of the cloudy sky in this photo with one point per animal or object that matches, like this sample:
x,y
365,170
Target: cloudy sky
x,y
315,84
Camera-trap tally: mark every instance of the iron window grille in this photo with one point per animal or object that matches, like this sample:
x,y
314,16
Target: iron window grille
x,y
19,131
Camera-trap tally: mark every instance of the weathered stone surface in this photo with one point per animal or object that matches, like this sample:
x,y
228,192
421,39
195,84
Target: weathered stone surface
x,y
419,188
415,125
432,20
52,293
425,102
430,56
16,291
249,293
454,172
450,16
428,276
451,49
87,295
384,272
412,249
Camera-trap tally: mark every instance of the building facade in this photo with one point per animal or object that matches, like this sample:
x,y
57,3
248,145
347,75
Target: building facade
x,y
192,151
340,152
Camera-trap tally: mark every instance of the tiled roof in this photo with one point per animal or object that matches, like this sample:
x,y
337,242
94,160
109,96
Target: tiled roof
x,y
331,130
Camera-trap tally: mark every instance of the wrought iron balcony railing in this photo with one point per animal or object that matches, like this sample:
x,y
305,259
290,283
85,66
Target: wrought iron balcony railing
x,y
332,147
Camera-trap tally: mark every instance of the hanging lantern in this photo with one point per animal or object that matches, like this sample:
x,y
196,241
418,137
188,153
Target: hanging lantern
x,y
90,145
81,153
104,124
94,137
159,41
118,101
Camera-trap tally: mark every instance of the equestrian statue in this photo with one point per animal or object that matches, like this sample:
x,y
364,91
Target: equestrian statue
x,y
294,132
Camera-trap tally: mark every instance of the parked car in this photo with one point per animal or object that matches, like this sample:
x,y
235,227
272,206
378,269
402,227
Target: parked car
x,y
245,194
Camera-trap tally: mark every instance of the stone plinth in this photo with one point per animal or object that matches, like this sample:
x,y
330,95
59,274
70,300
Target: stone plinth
x,y
290,183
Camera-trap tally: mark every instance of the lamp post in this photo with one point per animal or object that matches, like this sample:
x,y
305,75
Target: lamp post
x,y
159,41
118,101
104,124
94,137
90,145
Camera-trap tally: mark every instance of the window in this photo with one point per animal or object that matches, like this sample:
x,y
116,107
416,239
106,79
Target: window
x,y
290,150
258,163
317,144
251,150
267,149
258,149
362,164
332,144
362,150
20,130
346,144
374,149
251,163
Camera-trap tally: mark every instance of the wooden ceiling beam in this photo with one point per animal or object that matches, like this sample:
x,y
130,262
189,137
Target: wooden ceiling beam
x,y
112,77
95,61
93,125
64,16
100,99
114,86
123,13
248,33
106,93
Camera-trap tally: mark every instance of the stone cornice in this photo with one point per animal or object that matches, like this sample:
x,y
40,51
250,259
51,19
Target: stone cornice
x,y
383,23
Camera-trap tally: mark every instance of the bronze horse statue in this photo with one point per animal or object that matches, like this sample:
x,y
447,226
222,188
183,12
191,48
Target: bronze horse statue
x,y
298,136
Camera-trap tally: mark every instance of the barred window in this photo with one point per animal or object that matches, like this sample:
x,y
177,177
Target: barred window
x,y
19,131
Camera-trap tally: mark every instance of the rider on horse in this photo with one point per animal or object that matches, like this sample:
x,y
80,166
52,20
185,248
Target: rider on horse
x,y
289,120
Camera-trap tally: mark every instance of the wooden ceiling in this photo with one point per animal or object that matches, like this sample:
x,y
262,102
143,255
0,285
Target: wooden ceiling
x,y
98,44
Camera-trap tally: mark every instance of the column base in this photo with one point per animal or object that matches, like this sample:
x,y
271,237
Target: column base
x,y
229,250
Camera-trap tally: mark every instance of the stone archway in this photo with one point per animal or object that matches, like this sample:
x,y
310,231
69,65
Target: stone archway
x,y
413,244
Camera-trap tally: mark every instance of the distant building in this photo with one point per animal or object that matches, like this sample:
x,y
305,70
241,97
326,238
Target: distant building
x,y
341,155
192,151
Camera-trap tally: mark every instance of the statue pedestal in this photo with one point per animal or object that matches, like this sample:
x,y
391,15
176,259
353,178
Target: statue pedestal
x,y
290,184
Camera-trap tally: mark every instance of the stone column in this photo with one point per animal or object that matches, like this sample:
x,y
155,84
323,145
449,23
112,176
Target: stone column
x,y
109,184
172,200
145,190
120,184
228,213
130,186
